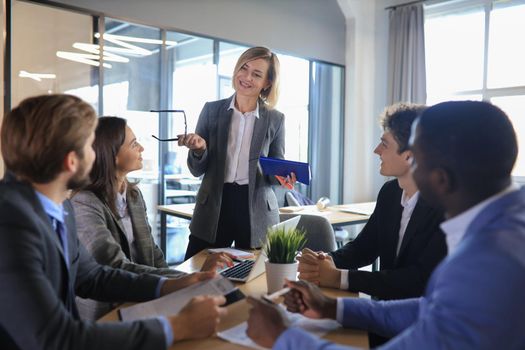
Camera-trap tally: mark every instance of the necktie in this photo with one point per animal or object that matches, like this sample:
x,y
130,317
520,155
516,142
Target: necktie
x,y
61,231
69,302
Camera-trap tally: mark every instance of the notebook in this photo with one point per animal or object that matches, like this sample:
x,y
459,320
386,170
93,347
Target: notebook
x,y
282,167
246,270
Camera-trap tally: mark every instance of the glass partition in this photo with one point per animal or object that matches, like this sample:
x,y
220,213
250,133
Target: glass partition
x,y
131,90
44,54
142,68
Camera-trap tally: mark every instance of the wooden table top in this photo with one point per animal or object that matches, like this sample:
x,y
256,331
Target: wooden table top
x,y
238,313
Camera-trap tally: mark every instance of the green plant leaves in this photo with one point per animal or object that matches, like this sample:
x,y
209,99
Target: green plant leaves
x,y
282,245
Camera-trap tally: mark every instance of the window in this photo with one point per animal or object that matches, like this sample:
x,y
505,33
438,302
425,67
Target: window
x,y
473,51
131,89
136,68
51,35
293,102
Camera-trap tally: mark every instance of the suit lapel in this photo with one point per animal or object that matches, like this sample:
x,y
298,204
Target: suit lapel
x,y
418,216
125,247
259,132
394,224
48,226
140,226
223,130
46,223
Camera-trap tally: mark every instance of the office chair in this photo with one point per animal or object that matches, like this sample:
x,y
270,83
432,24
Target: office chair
x,y
319,232
341,235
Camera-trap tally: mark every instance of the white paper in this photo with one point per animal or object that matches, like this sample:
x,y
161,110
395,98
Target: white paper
x,y
237,334
235,252
172,303
359,208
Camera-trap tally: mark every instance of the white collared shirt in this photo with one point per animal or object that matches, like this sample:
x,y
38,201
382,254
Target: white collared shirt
x,y
456,227
239,141
125,220
408,205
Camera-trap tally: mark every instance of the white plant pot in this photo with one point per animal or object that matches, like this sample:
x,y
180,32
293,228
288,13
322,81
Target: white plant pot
x,y
276,273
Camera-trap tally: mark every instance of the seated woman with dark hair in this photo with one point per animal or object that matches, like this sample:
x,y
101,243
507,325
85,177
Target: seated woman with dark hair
x,y
111,214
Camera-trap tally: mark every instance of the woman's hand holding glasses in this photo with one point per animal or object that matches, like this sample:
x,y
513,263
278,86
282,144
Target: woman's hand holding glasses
x,y
193,141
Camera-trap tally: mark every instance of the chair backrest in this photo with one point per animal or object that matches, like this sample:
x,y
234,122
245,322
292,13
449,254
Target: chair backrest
x,y
319,233
296,198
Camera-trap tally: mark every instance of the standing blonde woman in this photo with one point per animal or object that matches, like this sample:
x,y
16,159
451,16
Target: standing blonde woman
x,y
235,202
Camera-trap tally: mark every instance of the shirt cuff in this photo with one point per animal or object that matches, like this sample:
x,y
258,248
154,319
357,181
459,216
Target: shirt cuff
x,y
344,280
168,331
162,280
340,310
196,155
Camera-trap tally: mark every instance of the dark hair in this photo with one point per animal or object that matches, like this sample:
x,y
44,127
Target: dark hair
x,y
475,141
271,94
398,119
109,137
38,134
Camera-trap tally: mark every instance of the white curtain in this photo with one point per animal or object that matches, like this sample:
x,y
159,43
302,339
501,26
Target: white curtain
x,y
406,56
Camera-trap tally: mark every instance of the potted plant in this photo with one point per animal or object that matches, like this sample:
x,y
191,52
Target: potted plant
x,y
281,249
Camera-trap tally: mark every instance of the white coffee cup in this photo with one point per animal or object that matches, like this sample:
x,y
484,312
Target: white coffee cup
x,y
322,203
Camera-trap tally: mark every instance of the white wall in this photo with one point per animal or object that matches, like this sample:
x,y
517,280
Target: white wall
x,y
307,28
366,89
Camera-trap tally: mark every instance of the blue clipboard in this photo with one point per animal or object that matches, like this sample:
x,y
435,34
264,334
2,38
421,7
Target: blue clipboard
x,y
282,167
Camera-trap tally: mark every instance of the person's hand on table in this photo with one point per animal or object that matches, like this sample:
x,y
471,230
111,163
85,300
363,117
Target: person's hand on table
x,y
174,284
199,318
287,181
307,299
318,268
216,261
266,322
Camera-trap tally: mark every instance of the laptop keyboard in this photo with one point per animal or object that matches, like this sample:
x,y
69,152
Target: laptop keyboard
x,y
241,270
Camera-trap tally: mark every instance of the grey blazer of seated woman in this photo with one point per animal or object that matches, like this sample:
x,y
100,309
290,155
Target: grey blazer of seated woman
x,y
103,236
267,141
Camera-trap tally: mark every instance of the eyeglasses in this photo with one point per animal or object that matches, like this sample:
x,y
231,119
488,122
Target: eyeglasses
x,y
172,111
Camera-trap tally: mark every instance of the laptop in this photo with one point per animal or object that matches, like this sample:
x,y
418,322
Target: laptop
x,y
246,270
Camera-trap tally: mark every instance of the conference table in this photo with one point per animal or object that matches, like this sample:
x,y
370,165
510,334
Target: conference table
x,y
238,313
337,215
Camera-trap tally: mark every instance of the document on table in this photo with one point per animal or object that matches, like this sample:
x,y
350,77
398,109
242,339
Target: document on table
x,y
172,303
241,254
237,334
366,208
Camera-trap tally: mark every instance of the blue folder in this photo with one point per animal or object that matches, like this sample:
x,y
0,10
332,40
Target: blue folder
x,y
282,167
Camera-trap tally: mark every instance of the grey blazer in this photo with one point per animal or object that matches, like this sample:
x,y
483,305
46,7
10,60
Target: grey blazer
x,y
37,308
267,141
103,236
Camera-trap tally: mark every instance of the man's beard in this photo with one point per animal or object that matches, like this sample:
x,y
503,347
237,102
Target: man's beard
x,y
81,177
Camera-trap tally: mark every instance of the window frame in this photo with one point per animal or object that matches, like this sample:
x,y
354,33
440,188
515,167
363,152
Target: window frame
x,y
437,8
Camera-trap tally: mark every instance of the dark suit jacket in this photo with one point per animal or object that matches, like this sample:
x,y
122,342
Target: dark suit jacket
x,y
267,141
103,236
37,294
423,247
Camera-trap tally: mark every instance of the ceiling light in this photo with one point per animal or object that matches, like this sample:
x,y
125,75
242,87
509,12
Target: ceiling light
x,y
36,76
134,39
111,53
85,58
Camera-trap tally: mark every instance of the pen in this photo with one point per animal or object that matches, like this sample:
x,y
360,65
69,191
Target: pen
x,y
271,297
